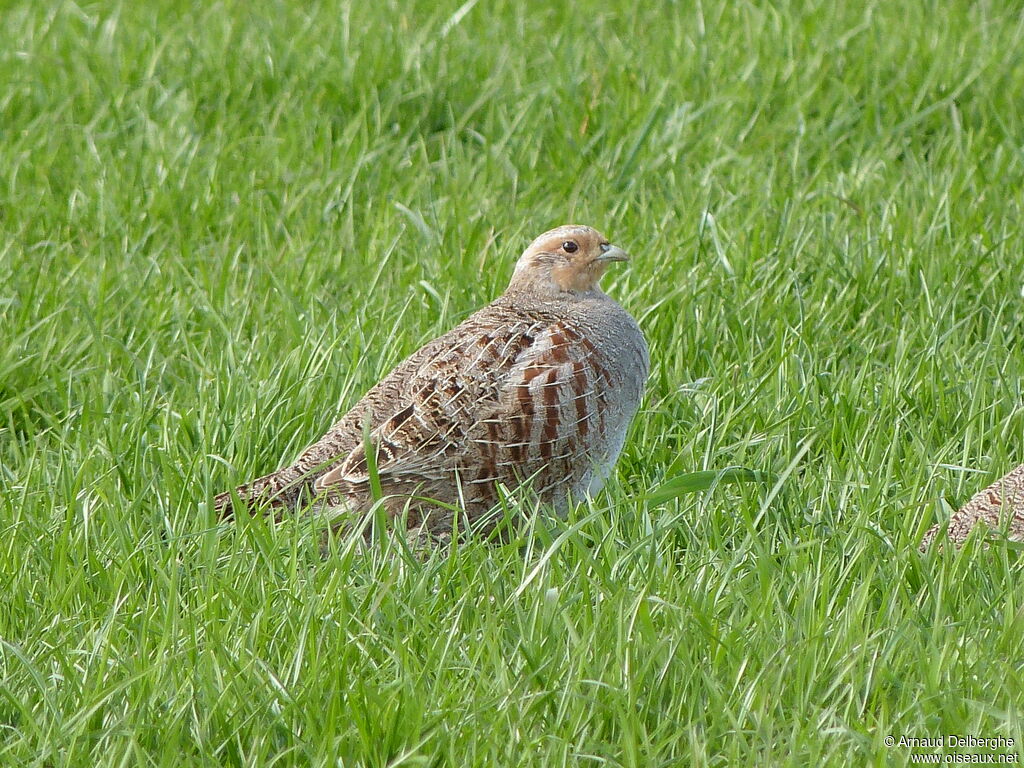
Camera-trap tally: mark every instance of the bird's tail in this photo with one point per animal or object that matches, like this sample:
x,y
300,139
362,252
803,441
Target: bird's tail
x,y
269,494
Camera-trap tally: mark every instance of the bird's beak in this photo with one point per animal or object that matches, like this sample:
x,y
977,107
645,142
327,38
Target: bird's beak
x,y
611,253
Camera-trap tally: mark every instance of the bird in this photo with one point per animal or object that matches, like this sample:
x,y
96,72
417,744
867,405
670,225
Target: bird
x,y
999,507
536,388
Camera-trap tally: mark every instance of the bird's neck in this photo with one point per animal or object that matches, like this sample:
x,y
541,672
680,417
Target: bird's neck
x,y
553,288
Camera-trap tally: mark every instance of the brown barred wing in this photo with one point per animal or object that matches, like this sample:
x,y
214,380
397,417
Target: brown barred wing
x,y
423,446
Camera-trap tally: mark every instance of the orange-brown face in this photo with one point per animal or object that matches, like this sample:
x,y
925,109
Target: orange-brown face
x,y
570,258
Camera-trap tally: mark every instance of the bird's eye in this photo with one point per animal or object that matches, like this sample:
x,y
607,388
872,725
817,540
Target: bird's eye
x,y
570,247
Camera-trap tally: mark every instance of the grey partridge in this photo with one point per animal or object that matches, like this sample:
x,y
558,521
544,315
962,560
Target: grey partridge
x,y
999,505
537,387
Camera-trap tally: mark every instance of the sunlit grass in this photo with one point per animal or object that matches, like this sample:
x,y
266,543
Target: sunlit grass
x,y
220,225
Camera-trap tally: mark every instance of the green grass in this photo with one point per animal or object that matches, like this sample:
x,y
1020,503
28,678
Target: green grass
x,y
220,224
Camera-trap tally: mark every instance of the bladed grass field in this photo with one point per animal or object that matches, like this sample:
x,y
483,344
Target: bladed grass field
x,y
221,223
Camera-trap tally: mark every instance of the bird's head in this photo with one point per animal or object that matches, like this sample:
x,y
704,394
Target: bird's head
x,y
568,259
